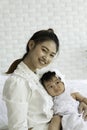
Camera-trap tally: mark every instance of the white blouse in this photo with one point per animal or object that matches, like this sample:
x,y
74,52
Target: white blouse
x,y
28,104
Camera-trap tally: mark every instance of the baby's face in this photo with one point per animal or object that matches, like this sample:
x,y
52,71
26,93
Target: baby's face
x,y
54,86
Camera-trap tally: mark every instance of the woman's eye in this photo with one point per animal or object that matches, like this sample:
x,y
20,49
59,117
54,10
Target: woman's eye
x,y
44,50
51,55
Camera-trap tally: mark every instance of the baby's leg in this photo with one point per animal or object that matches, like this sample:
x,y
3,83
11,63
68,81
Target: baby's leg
x,y
55,123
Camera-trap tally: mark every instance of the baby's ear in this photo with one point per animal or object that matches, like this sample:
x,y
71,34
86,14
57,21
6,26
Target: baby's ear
x,y
59,78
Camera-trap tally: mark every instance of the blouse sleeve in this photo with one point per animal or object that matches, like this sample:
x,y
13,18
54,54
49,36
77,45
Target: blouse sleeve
x,y
15,94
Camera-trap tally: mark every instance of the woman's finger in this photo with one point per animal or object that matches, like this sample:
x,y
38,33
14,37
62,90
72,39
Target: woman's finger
x,y
81,107
85,115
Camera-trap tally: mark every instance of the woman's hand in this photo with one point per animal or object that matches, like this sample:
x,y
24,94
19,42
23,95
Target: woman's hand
x,y
83,108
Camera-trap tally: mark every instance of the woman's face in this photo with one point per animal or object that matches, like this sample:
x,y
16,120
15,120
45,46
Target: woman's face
x,y
42,54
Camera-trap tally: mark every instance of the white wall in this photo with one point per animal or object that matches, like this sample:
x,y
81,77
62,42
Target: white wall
x,y
19,19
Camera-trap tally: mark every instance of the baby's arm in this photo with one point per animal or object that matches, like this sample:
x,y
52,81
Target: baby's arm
x,y
55,123
79,97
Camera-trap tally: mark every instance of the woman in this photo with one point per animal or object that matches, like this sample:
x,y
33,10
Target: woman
x,y
28,104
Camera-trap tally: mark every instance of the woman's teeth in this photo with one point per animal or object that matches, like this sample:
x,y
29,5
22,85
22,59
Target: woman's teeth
x,y
42,62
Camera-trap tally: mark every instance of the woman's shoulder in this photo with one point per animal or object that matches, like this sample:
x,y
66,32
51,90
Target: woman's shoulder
x,y
15,79
16,88
15,82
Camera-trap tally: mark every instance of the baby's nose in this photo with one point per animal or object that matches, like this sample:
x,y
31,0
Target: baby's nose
x,y
55,87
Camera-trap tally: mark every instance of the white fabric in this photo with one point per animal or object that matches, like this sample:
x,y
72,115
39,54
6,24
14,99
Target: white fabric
x,y
67,107
74,85
28,103
3,110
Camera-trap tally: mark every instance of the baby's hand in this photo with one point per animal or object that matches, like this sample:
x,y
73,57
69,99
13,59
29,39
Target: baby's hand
x,y
55,123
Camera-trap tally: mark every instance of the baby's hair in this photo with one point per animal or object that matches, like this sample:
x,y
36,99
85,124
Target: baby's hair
x,y
47,76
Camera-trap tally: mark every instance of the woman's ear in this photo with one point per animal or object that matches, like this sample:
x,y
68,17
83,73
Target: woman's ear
x,y
31,44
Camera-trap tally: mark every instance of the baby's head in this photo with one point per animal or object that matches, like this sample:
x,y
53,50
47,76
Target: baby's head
x,y
52,83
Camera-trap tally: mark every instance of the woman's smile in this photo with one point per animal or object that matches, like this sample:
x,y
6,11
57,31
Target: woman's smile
x,y
42,62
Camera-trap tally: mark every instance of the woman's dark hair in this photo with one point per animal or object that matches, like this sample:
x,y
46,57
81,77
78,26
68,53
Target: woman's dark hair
x,y
38,37
47,76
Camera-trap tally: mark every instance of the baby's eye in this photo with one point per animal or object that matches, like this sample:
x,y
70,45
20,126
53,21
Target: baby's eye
x,y
51,87
57,82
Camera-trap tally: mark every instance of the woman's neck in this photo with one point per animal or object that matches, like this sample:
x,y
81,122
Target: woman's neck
x,y
28,63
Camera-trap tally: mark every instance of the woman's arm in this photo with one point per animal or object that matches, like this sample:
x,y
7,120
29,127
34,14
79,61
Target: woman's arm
x,y
79,97
82,105
83,108
55,123
15,96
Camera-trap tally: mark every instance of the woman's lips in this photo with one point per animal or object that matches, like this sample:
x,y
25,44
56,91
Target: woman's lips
x,y
42,62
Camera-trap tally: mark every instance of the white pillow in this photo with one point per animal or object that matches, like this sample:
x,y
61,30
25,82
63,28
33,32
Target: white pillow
x,y
77,86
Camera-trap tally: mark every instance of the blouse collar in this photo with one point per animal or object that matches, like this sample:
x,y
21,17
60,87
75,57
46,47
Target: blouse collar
x,y
24,70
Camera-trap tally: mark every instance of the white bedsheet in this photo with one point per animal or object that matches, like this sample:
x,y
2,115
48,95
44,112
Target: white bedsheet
x,y
75,85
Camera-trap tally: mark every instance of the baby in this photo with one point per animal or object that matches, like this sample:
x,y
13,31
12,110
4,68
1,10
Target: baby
x,y
65,103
